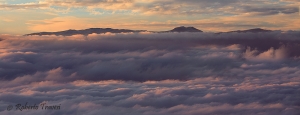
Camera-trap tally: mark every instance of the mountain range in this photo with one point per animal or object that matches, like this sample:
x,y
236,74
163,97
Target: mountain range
x,y
110,30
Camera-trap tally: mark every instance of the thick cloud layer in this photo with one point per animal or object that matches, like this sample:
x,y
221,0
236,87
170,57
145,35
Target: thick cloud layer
x,y
152,73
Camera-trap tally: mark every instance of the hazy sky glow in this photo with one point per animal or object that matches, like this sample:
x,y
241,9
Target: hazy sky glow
x,y
26,16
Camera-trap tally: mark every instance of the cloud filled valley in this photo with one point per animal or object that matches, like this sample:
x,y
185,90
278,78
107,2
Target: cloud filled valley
x,y
153,73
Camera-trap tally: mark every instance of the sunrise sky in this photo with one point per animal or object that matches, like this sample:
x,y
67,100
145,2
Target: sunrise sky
x,y
121,72
26,16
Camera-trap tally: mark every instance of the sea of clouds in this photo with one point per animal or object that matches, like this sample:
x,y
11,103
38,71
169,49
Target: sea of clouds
x,y
152,73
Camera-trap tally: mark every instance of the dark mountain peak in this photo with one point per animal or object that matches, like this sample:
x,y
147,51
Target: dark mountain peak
x,y
185,29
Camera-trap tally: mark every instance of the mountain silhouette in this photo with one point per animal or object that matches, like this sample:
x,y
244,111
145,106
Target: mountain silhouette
x,y
185,29
86,32
110,30
255,30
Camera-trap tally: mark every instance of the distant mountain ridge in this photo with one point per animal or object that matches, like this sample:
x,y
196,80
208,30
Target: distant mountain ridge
x,y
255,30
86,32
110,30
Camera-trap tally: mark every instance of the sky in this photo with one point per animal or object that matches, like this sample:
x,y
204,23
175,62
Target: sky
x,y
26,16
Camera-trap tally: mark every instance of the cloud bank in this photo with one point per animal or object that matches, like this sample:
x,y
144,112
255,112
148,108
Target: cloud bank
x,y
152,73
